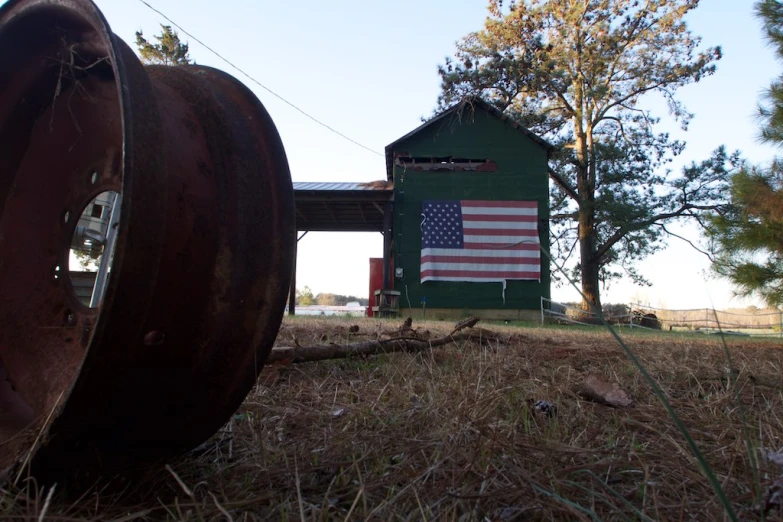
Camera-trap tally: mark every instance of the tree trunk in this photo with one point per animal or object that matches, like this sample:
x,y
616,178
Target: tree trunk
x,y
587,234
589,264
590,280
585,180
588,239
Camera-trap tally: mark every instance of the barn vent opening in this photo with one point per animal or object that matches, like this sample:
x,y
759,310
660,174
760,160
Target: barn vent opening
x,y
446,164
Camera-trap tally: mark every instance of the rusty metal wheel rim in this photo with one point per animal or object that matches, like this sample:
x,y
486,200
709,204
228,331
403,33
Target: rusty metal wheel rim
x,y
203,255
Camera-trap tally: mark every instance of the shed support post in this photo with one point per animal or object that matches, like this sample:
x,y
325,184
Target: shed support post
x,y
387,241
292,291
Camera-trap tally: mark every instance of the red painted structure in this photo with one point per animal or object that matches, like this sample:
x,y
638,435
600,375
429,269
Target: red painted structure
x,y
376,280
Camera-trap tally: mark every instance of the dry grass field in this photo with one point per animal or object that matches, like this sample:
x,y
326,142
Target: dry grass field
x,y
452,433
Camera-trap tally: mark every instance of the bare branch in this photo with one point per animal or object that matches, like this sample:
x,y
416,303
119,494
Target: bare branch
x,y
622,128
669,232
638,225
571,251
559,217
567,188
621,101
299,354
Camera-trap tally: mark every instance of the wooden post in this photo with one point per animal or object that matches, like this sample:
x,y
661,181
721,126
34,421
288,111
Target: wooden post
x,y
387,237
292,291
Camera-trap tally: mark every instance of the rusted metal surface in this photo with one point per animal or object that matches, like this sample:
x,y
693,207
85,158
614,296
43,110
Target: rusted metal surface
x,y
203,257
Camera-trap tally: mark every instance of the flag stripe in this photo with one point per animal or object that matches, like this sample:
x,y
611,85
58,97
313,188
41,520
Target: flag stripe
x,y
496,261
497,276
505,239
473,226
511,232
529,250
500,218
499,211
531,245
514,266
485,279
498,204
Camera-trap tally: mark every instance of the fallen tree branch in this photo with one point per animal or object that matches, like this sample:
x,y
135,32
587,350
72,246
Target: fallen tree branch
x,y
298,354
742,379
470,322
402,330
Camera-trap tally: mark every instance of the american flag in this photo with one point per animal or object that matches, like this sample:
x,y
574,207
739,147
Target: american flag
x,y
479,241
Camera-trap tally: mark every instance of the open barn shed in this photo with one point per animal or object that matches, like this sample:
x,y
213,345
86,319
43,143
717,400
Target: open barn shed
x,y
463,212
471,208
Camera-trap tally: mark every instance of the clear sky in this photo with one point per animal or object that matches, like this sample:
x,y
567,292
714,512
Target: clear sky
x,y
369,69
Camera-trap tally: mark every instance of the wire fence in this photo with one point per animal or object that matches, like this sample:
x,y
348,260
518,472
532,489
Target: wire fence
x,y
761,323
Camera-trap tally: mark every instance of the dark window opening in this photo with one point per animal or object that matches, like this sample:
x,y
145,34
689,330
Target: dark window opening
x,y
452,164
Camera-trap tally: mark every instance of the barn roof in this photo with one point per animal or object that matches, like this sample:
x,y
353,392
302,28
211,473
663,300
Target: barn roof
x,y
342,206
469,103
304,186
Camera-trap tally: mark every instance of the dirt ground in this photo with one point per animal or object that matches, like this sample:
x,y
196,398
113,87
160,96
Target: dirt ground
x,y
491,429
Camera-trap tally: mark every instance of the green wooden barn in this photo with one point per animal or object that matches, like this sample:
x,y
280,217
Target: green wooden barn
x,y
470,165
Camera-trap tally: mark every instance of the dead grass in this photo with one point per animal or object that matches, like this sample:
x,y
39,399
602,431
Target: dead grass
x,y
452,435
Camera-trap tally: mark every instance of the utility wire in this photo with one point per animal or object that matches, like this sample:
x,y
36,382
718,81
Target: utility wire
x,y
270,91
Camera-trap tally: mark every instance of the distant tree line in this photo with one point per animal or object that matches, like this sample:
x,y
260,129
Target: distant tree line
x,y
305,297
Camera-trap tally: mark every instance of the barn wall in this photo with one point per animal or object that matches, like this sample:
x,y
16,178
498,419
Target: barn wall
x,y
521,174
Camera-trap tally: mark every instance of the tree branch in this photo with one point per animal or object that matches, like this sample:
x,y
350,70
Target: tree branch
x,y
567,188
630,38
571,250
697,249
558,217
631,227
634,93
621,126
300,354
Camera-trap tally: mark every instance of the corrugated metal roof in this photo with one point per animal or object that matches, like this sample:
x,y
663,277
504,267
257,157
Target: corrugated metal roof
x,y
343,186
346,206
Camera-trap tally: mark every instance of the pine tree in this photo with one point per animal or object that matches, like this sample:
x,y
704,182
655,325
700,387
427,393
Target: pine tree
x,y
168,51
576,73
748,236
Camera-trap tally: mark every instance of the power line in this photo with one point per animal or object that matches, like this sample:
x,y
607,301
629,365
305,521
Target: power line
x,y
270,91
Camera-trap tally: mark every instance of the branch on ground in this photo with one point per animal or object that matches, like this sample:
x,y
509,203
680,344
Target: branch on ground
x,y
409,343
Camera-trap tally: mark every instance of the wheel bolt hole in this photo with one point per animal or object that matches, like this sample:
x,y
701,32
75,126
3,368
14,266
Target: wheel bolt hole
x,y
154,338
